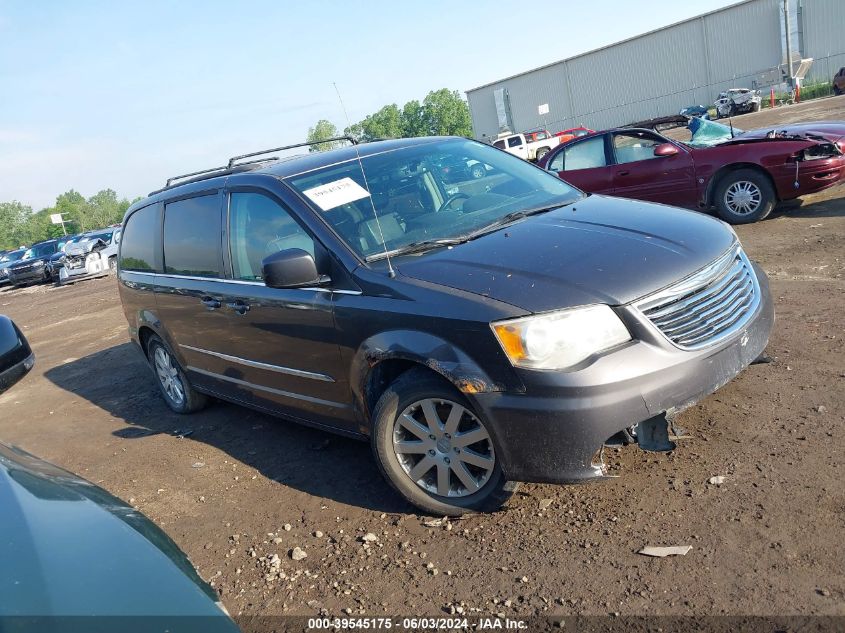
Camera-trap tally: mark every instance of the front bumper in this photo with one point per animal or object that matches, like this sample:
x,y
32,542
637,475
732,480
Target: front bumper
x,y
27,277
553,432
813,176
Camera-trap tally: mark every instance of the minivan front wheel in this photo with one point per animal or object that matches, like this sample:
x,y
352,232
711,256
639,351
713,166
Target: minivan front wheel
x,y
435,450
171,379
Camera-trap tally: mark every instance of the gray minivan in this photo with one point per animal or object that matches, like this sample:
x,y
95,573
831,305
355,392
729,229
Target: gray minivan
x,y
478,333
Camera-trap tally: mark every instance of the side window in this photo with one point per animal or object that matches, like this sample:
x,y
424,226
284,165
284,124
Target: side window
x,y
499,144
192,237
631,147
556,164
258,227
514,141
138,250
585,155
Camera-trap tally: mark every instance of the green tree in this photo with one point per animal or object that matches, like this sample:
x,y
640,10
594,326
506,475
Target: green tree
x,y
320,132
445,113
13,217
104,208
413,120
386,123
75,211
356,131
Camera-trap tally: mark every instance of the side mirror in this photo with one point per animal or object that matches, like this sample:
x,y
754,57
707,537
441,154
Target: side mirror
x,y
16,357
666,149
291,268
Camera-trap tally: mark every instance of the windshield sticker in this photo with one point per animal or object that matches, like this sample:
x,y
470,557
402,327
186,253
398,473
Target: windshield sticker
x,y
336,193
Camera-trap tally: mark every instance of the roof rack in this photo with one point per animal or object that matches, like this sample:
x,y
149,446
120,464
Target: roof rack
x,y
279,149
232,165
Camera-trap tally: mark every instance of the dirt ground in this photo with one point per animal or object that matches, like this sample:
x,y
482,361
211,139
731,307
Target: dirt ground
x,y
232,486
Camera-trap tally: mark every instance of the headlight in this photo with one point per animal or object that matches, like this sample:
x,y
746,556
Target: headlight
x,y
4,272
38,262
559,340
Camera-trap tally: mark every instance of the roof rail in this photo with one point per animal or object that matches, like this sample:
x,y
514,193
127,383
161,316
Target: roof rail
x,y
279,149
224,170
193,173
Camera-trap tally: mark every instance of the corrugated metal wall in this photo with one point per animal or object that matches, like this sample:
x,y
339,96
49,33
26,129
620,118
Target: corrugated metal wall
x,y
658,73
824,36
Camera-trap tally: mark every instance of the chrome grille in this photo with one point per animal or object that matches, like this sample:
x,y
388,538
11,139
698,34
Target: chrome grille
x,y
707,306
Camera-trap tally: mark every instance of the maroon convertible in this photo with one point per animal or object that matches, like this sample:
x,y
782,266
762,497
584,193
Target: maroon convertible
x,y
705,164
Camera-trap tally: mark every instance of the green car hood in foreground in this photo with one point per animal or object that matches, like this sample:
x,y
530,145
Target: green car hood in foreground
x,y
73,557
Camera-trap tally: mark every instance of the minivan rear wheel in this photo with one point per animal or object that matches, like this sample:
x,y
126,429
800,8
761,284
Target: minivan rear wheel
x,y
435,450
171,379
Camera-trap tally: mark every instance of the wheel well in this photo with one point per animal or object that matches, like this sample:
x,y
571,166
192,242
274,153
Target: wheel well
x,y
724,171
144,334
384,374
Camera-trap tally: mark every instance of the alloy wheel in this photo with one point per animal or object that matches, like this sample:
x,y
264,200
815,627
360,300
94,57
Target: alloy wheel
x,y
743,197
168,375
443,447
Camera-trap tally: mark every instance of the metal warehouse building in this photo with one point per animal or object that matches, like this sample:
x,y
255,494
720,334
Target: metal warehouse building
x,y
662,71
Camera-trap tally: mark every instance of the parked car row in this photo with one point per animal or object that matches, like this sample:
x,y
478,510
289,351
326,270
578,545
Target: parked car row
x,y
59,260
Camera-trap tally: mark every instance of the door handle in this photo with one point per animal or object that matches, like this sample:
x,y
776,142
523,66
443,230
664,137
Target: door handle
x,y
238,306
623,173
210,302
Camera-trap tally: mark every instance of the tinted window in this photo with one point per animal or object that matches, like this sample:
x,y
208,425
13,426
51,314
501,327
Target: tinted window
x,y
585,155
500,144
192,237
631,147
258,227
514,141
138,249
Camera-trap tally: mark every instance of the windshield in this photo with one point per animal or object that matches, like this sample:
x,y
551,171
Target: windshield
x,y
434,191
39,251
105,236
702,133
13,256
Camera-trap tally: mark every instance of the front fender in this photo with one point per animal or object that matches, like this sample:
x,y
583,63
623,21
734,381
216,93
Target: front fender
x,y
427,350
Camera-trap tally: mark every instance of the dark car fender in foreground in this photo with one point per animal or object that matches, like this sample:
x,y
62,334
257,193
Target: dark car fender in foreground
x,y
71,549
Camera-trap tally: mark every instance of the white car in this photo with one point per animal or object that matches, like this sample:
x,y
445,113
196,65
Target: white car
x,y
518,145
93,254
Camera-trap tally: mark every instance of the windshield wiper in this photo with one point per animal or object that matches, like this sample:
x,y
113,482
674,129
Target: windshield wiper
x,y
424,245
417,247
512,217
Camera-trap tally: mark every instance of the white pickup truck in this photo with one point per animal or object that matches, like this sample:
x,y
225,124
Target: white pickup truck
x,y
533,149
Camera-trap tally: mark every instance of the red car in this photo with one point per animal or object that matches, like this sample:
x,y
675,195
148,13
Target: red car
x,y
573,132
705,164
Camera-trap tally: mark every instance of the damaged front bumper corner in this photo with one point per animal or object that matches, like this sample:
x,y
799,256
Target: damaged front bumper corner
x,y
554,432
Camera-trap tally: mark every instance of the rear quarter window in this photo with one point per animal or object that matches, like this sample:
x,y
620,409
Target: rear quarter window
x,y
192,237
138,251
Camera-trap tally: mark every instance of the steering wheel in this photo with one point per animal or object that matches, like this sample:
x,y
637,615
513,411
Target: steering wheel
x,y
450,200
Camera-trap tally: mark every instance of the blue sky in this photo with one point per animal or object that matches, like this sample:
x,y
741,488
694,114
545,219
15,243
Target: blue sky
x,y
124,94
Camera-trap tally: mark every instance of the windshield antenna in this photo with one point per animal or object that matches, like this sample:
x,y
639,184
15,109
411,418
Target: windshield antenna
x,y
390,271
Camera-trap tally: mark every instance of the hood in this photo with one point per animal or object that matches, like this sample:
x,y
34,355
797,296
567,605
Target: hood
x,y
23,263
831,130
598,250
70,548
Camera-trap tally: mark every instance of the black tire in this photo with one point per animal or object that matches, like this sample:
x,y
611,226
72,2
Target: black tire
x,y
730,213
413,387
755,107
540,153
191,399
113,262
478,171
